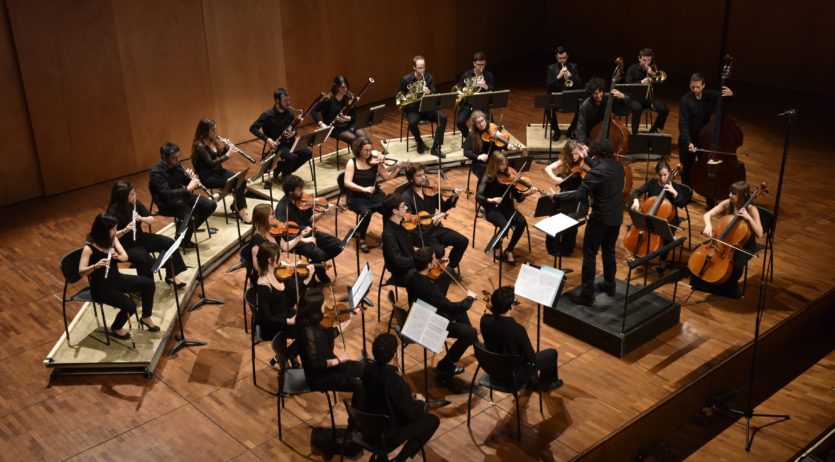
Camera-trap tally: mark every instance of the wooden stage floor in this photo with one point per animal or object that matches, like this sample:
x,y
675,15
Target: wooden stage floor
x,y
202,402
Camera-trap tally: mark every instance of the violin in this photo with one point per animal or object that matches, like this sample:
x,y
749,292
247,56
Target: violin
x,y
437,270
712,262
580,168
511,177
333,316
500,138
381,158
636,242
431,189
319,204
302,270
280,228
411,221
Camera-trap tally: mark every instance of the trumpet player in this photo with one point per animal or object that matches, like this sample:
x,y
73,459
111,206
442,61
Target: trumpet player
x,y
557,78
481,80
645,72
172,188
269,127
208,154
411,110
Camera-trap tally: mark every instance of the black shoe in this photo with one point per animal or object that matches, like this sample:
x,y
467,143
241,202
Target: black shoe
x,y
120,337
449,369
421,147
150,329
582,300
188,245
556,135
436,151
610,291
212,229
179,285
653,130
550,385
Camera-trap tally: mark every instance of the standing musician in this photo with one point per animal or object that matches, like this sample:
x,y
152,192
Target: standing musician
x,y
480,80
593,108
364,194
328,109
697,106
738,196
567,172
261,234
459,327
497,200
418,199
130,215
269,127
604,184
411,110
557,76
643,72
475,148
276,299
99,260
677,194
207,155
324,246
171,188
398,244
503,335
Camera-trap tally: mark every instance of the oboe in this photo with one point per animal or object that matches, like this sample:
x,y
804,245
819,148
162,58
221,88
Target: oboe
x,y
133,216
109,256
190,173
234,148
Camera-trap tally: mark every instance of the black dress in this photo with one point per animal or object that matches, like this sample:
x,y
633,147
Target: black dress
x,y
208,165
112,290
275,307
139,250
362,202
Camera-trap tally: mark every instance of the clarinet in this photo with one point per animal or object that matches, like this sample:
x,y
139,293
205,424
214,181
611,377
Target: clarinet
x,y
109,257
133,219
234,148
190,173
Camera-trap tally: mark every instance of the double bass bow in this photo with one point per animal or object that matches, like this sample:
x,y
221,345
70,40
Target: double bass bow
x,y
638,242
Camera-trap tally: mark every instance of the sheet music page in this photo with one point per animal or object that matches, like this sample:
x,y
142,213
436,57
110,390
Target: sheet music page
x,y
425,327
538,286
555,224
361,286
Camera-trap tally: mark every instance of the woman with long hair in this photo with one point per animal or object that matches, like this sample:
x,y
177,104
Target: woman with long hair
x,y
208,154
566,172
328,109
261,234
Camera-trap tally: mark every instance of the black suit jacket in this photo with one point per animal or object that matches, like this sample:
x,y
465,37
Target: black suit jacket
x,y
387,393
423,288
503,335
555,86
407,80
604,184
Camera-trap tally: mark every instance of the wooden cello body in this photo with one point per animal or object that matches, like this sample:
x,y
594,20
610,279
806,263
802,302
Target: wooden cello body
x,y
638,242
616,132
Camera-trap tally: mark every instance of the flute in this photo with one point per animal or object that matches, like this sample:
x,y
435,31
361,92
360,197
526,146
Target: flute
x,y
109,257
234,148
134,220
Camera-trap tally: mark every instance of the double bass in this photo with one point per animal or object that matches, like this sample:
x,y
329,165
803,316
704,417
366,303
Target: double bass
x,y
616,132
718,168
638,242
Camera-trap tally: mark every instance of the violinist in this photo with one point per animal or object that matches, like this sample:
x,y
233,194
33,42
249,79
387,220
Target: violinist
x,y
739,195
419,198
593,108
557,76
482,80
172,189
262,232
99,262
459,328
269,127
398,244
497,200
695,111
130,215
207,155
604,185
329,108
414,117
643,72
324,246
364,194
475,148
567,172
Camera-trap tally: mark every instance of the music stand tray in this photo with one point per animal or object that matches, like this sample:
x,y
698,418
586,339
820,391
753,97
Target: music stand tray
x,y
314,138
437,101
635,91
367,117
652,146
489,100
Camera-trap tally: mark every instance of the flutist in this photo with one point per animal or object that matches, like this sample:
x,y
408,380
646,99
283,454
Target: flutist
x,y
208,154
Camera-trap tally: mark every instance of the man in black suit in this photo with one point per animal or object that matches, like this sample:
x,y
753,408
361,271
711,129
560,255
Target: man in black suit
x,y
387,393
486,83
604,184
556,76
643,72
397,243
411,110
269,127
503,335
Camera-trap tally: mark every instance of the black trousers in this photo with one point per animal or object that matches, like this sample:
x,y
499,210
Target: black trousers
x,y
461,118
291,161
326,247
344,377
597,235
460,329
414,119
217,180
180,208
439,238
637,107
139,254
113,293
361,204
687,159
552,118
499,218
546,364
418,433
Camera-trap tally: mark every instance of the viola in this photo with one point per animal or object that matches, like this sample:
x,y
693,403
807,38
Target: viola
x,y
437,269
712,262
499,137
319,204
636,241
379,158
280,228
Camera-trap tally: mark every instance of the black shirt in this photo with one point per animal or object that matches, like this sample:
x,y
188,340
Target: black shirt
x,y
423,288
301,217
387,393
316,348
426,203
123,219
274,308
168,185
206,161
695,114
492,188
503,335
591,114
271,124
398,249
653,188
488,78
407,80
558,85
327,110
604,183
635,73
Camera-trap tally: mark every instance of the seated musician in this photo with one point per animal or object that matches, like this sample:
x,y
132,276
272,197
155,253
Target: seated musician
x,y
414,117
324,246
434,235
388,393
565,172
325,113
497,200
171,187
677,194
740,194
110,286
460,328
503,335
208,154
137,243
269,127
476,148
262,233
593,108
398,244
483,80
364,194
643,72
556,76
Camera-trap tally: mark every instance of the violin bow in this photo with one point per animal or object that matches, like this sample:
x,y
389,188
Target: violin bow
x,y
420,231
336,318
512,182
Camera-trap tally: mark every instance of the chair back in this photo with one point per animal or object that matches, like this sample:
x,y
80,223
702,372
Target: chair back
x,y
766,219
340,181
372,426
279,344
69,265
498,366
251,297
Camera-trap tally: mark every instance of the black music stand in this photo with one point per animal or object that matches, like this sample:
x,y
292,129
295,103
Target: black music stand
x,y
548,206
367,117
356,299
635,91
649,146
436,102
165,257
232,184
203,299
265,169
315,138
487,101
350,234
549,102
497,241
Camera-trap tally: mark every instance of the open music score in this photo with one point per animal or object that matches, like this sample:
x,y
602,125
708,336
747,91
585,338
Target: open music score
x,y
539,285
425,326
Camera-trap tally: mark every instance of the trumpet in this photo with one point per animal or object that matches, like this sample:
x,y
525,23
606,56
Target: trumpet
x,y
414,94
234,148
568,82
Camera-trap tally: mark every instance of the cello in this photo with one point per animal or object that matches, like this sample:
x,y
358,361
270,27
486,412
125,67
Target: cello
x,y
616,132
718,168
636,241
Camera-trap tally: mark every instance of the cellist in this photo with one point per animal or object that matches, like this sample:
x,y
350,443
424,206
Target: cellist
x,y
739,195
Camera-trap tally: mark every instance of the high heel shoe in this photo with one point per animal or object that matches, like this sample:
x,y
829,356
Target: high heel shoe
x,y
179,285
119,336
150,328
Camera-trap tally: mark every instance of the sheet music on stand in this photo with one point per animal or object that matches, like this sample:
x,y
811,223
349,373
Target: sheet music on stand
x,y
556,224
360,287
537,284
424,326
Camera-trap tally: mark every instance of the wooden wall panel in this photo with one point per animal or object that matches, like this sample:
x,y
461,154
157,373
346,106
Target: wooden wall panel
x,y
75,91
246,61
20,176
